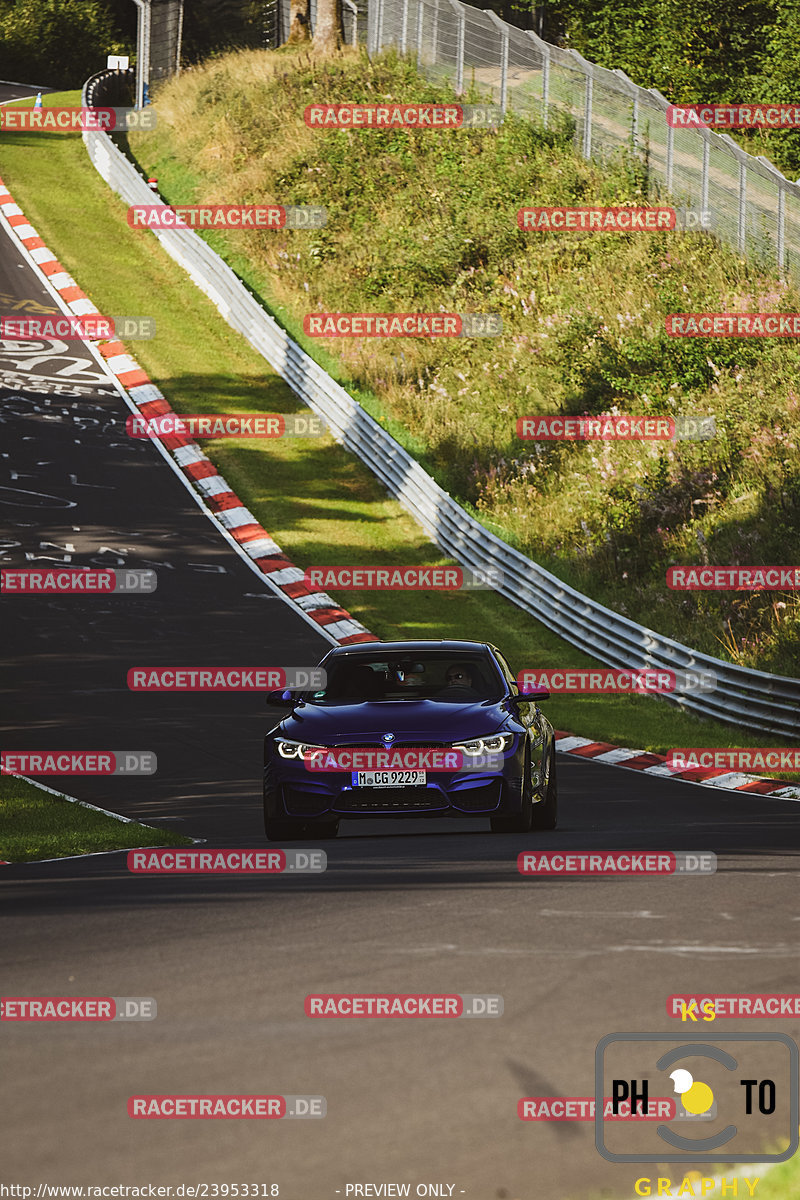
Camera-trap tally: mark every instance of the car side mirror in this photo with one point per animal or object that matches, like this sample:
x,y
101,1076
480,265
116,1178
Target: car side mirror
x,y
533,695
280,698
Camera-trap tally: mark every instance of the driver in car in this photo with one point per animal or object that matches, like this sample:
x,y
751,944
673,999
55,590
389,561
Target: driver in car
x,y
459,676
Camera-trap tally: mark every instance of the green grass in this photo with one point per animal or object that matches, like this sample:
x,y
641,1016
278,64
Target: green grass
x,y
35,825
321,503
419,221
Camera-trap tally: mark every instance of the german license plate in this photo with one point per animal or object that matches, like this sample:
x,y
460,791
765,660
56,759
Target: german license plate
x,y
393,779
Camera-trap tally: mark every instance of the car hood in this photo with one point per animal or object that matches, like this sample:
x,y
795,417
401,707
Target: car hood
x,y
425,721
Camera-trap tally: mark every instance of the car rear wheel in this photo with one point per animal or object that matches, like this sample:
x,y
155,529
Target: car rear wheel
x,y
545,814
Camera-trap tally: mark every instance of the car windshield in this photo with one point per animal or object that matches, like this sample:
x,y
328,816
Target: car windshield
x,y
449,678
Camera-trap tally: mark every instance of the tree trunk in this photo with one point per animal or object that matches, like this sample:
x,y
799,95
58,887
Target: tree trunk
x,y
299,30
328,32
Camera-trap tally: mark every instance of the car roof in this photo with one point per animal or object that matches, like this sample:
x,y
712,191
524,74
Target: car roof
x,y
449,645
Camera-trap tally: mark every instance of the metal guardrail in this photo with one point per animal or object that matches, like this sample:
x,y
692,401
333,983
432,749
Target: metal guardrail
x,y
761,701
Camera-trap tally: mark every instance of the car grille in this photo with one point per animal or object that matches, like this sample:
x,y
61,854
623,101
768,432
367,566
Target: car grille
x,y
391,800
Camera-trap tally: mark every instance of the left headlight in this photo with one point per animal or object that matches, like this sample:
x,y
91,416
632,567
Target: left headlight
x,y
288,749
498,743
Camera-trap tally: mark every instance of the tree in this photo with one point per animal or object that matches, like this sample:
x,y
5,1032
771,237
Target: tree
x,y
328,32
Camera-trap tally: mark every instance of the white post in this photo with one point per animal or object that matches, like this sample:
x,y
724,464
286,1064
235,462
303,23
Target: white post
x,y
404,29
503,29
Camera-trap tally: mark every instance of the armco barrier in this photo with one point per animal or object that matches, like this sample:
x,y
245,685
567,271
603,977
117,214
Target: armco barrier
x,y
753,698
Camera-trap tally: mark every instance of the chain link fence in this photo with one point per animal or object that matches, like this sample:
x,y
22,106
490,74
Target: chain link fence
x,y
748,203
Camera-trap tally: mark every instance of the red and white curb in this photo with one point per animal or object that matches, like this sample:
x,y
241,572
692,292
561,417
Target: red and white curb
x,y
242,527
656,764
218,497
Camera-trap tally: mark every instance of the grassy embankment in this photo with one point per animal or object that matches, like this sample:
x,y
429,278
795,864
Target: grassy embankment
x,y
426,221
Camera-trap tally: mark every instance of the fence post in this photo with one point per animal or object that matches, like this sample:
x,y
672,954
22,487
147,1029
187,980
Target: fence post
x,y
741,224
704,179
404,28
588,70
435,46
781,227
462,20
504,39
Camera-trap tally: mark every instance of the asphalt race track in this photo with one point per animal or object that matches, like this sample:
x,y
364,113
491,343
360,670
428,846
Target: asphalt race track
x,y
422,906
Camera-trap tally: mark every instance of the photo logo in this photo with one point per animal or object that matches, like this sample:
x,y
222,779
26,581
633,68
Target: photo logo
x,y
78,1008
402,116
396,1004
226,862
728,1093
737,760
616,862
733,579
426,325
617,219
615,427
75,580
652,680
74,120
226,216
711,1008
733,116
77,762
228,679
732,324
91,327
227,425
379,579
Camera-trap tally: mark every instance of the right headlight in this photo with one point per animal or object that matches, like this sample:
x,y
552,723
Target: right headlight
x,y
498,743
